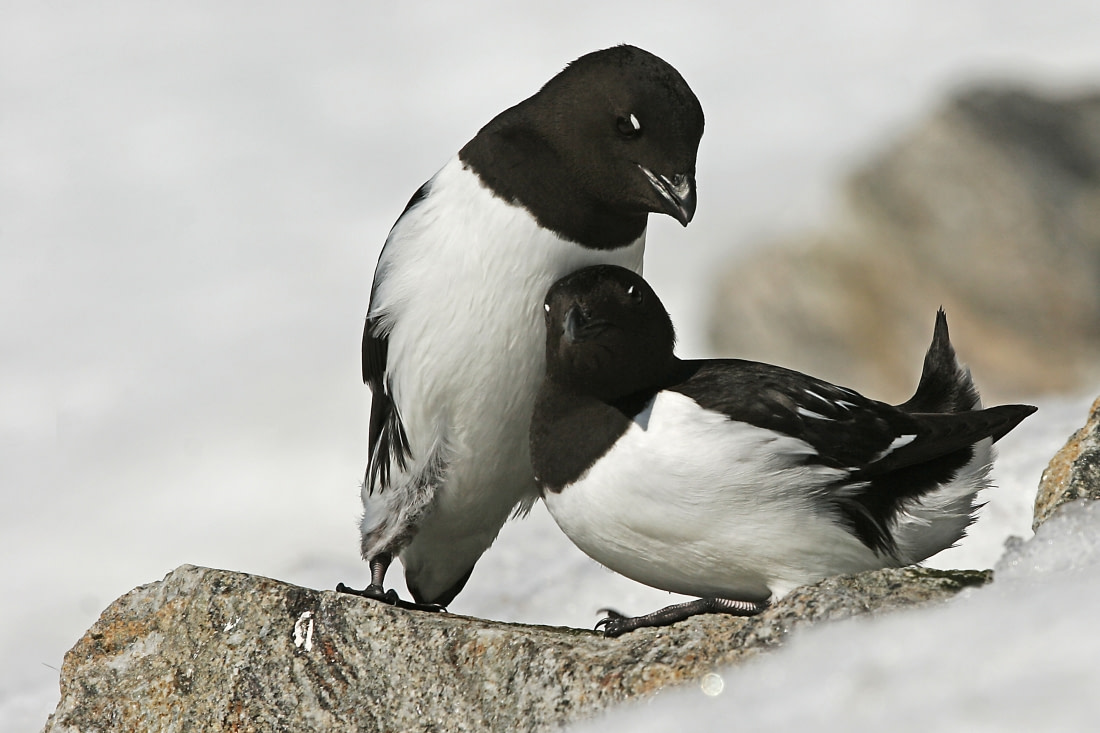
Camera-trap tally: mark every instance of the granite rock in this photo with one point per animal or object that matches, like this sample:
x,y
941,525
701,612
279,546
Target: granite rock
x,y
1074,472
991,208
214,650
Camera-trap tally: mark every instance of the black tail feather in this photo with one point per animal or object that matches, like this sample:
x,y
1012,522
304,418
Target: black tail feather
x,y
945,384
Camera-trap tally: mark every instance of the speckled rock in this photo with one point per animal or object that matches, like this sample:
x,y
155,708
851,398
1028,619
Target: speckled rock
x,y
1074,472
990,208
214,650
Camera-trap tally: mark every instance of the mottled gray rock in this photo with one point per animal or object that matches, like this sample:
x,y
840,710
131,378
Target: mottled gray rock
x,y
1074,472
990,208
214,650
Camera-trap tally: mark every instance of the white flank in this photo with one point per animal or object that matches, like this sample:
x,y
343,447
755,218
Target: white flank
x,y
702,505
941,517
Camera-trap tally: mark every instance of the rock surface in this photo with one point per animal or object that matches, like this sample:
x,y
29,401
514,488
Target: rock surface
x,y
221,651
990,208
1074,472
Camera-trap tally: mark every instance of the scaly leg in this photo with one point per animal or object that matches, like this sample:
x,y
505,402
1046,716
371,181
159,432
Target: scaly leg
x,y
617,624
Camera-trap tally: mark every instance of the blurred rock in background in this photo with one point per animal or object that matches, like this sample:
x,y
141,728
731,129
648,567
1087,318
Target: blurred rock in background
x,y
990,208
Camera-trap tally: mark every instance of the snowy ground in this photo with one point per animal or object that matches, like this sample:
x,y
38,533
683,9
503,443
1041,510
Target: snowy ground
x,y
1018,655
192,198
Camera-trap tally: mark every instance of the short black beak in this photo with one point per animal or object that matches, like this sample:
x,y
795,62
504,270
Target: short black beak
x,y
578,327
574,323
677,194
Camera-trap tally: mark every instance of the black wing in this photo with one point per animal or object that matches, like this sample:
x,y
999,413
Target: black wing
x,y
386,434
846,429
890,455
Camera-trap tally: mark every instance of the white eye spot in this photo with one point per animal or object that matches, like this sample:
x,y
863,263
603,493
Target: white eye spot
x,y
629,126
546,307
630,290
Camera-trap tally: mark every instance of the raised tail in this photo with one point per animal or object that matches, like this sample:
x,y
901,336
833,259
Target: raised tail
x,y
945,384
938,519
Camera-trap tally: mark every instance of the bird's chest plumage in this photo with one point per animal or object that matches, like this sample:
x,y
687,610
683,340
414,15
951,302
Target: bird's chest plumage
x,y
692,502
459,289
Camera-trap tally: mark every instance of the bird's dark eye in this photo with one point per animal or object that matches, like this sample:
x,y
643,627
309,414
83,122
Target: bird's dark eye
x,y
635,293
629,126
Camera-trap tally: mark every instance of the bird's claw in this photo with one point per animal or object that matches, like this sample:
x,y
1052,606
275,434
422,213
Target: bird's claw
x,y
614,624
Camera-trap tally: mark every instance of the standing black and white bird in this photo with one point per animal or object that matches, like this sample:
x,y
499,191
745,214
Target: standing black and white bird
x,y
452,349
737,481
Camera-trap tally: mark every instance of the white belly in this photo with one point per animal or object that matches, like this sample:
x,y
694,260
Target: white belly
x,y
691,502
466,354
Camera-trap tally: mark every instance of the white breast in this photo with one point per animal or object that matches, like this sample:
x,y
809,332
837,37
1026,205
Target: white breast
x,y
691,502
463,278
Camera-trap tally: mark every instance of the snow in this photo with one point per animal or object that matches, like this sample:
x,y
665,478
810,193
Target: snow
x,y
1017,655
192,198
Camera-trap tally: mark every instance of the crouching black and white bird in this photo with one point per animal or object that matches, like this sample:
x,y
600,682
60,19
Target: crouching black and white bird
x,y
736,481
452,348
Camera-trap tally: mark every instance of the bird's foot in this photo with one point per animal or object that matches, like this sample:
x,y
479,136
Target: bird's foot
x,y
390,597
616,624
374,592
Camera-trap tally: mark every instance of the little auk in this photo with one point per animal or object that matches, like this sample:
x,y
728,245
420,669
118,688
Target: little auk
x,y
736,481
452,346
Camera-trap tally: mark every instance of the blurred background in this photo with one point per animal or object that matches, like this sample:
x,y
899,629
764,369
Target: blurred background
x,y
193,197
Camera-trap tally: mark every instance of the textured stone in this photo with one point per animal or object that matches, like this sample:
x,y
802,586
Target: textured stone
x,y
990,208
214,650
1074,472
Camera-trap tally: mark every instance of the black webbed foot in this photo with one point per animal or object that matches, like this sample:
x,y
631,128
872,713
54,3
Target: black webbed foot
x,y
390,597
616,624
376,592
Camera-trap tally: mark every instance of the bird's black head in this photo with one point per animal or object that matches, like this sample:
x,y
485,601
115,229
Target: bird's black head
x,y
610,139
629,126
607,333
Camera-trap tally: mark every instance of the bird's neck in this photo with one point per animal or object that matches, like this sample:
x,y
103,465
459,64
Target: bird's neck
x,y
520,166
570,431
